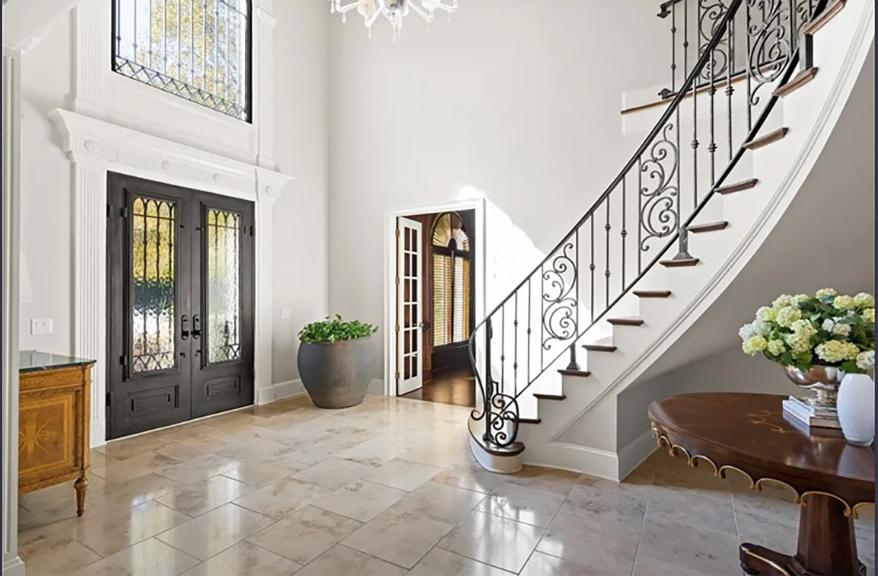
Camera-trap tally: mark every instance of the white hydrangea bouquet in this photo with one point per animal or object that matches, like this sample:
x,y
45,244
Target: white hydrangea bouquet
x,y
828,329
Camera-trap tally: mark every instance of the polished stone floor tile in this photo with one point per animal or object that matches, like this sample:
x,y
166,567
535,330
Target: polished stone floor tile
x,y
523,504
540,564
196,469
440,502
127,494
134,467
403,474
109,530
215,531
500,542
373,452
244,559
148,558
441,563
343,561
305,534
360,500
334,473
282,497
48,552
696,549
693,509
196,499
606,546
399,536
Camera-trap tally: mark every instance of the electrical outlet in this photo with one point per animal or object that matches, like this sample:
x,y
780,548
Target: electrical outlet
x,y
40,326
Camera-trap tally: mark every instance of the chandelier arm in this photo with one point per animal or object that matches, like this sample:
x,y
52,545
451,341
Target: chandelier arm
x,y
345,8
422,12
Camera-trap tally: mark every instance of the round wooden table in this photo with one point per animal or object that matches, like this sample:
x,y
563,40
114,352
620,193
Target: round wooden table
x,y
747,433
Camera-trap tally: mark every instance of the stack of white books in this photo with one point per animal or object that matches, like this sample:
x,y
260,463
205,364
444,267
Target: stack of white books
x,y
801,410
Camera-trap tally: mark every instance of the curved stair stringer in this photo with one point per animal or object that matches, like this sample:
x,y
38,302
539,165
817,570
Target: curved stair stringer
x,y
580,432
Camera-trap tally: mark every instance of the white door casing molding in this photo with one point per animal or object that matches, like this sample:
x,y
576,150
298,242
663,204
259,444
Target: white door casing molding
x,y
96,148
12,564
390,256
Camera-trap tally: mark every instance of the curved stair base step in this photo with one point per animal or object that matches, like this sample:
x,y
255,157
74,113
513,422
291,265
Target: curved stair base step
x,y
505,460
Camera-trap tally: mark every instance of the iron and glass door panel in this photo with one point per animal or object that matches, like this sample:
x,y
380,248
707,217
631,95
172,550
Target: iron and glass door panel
x,y
222,376
180,304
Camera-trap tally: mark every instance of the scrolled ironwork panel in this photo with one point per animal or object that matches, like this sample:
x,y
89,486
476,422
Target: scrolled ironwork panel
x,y
710,16
559,296
659,216
771,44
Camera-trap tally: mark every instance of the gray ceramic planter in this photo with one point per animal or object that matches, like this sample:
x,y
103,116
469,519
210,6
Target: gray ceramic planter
x,y
337,375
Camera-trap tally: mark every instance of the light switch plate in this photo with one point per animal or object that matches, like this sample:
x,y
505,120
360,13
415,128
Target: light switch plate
x,y
285,314
40,326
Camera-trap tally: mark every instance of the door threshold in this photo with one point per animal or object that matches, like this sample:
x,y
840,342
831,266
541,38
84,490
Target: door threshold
x,y
185,422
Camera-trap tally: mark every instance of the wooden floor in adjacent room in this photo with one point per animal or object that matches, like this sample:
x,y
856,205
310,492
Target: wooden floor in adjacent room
x,y
454,386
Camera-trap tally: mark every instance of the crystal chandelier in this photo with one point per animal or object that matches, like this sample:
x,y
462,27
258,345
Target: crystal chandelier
x,y
392,10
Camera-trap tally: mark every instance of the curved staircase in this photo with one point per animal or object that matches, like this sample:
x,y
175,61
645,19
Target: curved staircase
x,y
726,157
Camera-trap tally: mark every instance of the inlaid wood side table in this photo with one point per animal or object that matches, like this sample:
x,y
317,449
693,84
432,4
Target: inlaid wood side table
x,y
53,422
747,433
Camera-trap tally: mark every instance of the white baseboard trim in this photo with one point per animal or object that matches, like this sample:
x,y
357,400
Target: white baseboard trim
x,y
13,567
635,453
278,391
575,458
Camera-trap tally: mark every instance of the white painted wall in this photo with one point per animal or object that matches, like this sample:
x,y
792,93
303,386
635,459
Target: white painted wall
x,y
516,101
301,147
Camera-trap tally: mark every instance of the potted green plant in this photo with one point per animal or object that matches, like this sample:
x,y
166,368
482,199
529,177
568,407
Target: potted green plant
x,y
336,361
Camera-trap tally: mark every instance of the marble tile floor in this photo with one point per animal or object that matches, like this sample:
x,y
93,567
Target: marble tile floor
x,y
383,489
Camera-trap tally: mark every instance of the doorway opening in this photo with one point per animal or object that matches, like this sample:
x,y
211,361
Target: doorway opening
x,y
180,285
435,272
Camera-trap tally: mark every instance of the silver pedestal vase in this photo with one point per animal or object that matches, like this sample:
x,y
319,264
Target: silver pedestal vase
x,y
821,408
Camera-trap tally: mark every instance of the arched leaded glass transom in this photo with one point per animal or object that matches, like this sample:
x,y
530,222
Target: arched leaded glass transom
x,y
452,269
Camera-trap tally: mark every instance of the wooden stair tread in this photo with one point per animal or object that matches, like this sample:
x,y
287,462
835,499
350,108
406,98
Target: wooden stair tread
x,y
738,186
767,139
529,420
680,262
652,293
550,396
625,321
580,373
708,227
828,14
599,347
797,82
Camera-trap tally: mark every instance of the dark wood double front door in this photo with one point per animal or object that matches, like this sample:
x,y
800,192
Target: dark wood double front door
x,y
180,289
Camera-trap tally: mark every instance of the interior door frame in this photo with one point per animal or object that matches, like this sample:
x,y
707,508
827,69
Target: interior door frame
x,y
390,261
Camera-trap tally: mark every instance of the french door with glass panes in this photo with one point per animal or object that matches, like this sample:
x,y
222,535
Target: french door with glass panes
x,y
410,313
180,298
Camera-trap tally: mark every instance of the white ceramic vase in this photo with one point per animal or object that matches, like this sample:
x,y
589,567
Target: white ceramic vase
x,y
856,408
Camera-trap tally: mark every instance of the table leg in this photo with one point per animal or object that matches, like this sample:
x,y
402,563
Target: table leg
x,y
827,545
80,486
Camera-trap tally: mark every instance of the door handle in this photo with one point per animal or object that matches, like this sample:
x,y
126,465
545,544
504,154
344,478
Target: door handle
x,y
196,327
184,327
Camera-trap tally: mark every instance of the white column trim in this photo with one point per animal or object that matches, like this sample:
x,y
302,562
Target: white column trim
x,y
263,81
12,564
96,147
